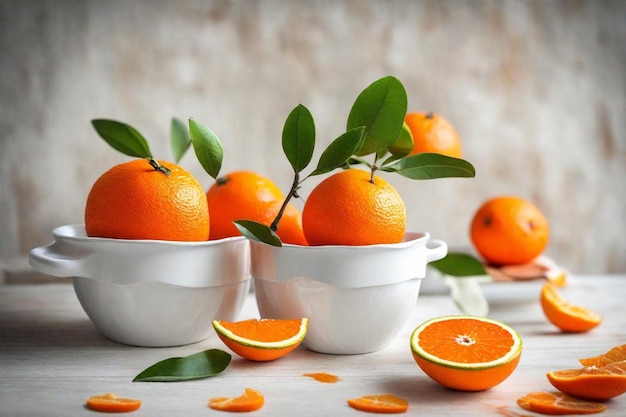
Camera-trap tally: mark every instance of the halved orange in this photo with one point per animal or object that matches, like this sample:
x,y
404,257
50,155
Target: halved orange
x,y
615,354
466,353
262,339
564,315
251,400
591,382
558,403
379,403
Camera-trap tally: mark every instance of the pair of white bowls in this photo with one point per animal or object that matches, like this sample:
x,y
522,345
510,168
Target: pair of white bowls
x,y
161,293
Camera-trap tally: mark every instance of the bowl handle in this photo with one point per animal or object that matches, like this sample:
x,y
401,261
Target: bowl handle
x,y
435,250
48,261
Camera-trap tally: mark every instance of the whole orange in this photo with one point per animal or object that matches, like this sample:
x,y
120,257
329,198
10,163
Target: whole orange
x,y
351,208
132,200
432,133
241,195
290,227
509,230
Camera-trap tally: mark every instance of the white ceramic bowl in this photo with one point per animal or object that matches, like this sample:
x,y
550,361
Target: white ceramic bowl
x,y
357,298
148,292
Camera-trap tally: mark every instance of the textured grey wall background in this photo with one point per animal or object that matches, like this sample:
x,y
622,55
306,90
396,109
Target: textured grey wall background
x,y
536,89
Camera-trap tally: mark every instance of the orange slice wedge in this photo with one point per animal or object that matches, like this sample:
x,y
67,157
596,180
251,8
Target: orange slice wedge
x,y
251,400
262,339
379,403
591,382
558,403
564,315
111,403
616,354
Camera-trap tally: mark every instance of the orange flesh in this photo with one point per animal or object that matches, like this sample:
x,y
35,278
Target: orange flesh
x,y
251,400
616,354
323,377
592,382
451,341
110,403
558,403
379,403
264,330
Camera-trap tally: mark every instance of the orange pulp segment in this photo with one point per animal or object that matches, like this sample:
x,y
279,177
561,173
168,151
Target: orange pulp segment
x,y
323,377
111,403
251,400
564,315
379,403
558,403
616,354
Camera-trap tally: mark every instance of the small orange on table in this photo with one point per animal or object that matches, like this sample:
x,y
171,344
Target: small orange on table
x,y
353,208
466,353
564,315
251,400
379,403
509,230
111,403
262,339
558,403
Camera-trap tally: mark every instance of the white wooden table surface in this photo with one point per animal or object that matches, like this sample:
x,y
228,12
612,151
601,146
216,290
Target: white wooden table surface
x,y
52,359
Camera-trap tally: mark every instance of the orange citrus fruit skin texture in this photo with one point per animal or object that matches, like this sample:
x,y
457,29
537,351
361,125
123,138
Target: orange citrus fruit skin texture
x,y
558,403
348,209
564,315
591,382
508,230
111,403
469,344
379,403
256,332
134,201
246,195
433,133
251,400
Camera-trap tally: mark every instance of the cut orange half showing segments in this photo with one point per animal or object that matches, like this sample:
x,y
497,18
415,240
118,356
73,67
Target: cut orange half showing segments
x,y
564,315
615,354
379,403
262,339
558,403
466,353
251,400
591,382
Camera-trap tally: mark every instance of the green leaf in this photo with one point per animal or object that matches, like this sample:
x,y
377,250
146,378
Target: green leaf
x,y
199,365
381,108
299,137
179,139
122,137
340,151
426,166
404,144
207,147
459,265
258,232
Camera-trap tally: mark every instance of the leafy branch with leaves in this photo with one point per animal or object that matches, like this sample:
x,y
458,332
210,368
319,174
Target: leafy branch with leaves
x,y
375,129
